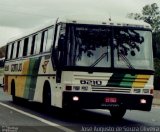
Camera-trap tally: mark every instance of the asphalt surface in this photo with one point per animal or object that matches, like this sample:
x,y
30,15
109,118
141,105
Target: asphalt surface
x,y
18,118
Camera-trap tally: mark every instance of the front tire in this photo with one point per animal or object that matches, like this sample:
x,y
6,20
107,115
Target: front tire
x,y
47,99
117,113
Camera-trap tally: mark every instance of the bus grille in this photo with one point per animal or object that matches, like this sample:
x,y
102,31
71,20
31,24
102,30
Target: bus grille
x,y
111,89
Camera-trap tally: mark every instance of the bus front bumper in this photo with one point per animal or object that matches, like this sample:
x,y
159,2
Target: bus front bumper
x,y
79,100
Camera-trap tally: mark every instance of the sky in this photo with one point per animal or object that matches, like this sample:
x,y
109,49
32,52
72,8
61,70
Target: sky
x,y
19,16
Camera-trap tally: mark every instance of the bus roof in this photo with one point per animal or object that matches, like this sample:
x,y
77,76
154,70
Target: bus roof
x,y
103,20
86,19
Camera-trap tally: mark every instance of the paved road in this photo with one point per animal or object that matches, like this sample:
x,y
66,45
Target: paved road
x,y
87,120
18,118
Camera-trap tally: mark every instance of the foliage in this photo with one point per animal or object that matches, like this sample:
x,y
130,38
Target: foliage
x,y
157,67
150,14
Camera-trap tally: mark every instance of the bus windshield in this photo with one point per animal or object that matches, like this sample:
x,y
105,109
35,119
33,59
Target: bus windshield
x,y
101,46
88,44
133,49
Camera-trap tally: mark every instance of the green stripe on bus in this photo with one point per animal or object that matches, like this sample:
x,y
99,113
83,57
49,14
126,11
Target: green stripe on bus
x,y
128,80
121,80
115,80
32,80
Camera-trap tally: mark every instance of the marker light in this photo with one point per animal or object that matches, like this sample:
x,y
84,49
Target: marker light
x,y
143,101
75,98
151,91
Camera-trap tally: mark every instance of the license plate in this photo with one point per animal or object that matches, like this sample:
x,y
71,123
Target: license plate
x,y
110,100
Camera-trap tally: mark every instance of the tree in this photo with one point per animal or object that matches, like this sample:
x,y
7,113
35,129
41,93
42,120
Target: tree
x,y
151,15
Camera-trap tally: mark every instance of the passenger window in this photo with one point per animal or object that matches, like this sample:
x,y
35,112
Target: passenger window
x,y
29,46
12,46
43,41
15,50
25,47
21,48
33,44
6,56
37,43
9,51
18,45
49,40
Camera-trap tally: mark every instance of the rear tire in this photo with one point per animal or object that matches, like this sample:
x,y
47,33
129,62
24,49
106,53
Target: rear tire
x,y
13,92
117,113
15,99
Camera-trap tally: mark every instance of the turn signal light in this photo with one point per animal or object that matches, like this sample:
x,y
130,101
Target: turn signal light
x,y
151,91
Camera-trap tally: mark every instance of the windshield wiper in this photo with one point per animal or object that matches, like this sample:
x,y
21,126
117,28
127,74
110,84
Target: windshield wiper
x,y
126,61
99,59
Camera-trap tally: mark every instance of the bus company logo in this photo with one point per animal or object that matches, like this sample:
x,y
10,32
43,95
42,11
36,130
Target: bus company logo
x,y
16,67
91,82
44,66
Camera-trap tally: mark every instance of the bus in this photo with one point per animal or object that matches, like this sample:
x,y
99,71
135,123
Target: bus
x,y
79,62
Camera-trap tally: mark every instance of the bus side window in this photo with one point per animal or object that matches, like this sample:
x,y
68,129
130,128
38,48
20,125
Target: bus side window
x,y
14,50
37,43
21,48
6,56
49,40
18,45
9,51
33,44
29,46
25,47
12,46
43,40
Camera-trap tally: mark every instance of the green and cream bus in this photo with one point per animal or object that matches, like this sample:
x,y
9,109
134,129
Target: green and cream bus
x,y
83,63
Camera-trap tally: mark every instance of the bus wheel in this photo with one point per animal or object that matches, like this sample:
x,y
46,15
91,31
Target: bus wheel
x,y
117,113
47,99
